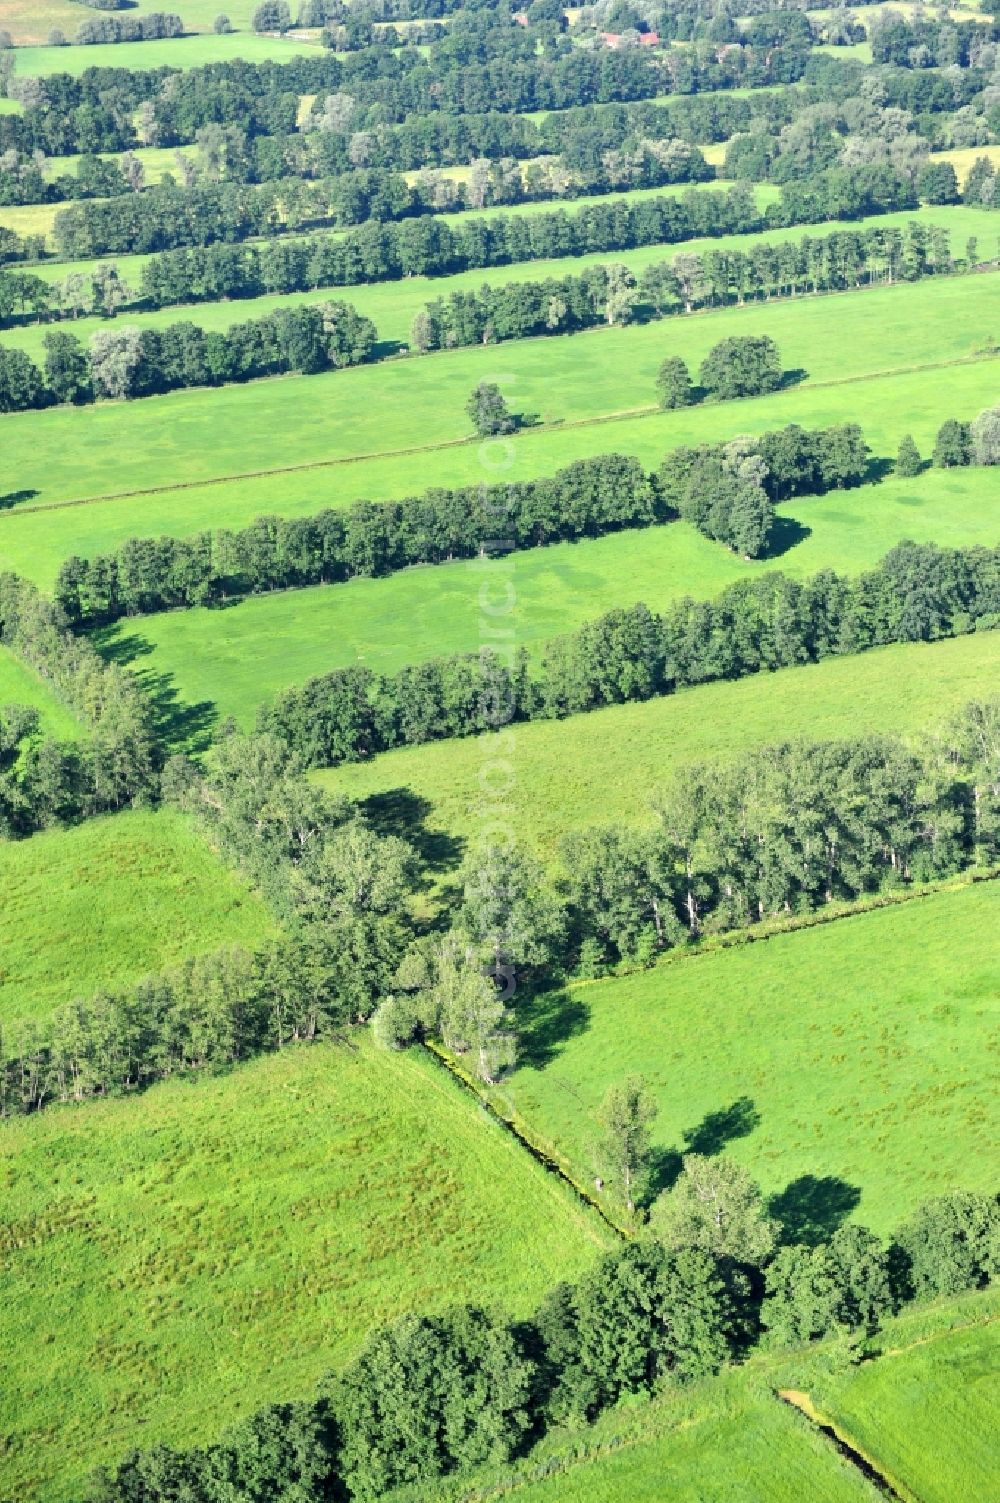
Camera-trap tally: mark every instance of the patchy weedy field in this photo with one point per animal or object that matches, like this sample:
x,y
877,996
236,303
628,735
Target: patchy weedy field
x,y
849,1081
605,766
107,902
173,1262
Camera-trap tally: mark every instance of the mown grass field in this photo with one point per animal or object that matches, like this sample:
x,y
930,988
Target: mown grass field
x,y
392,306
849,1078
173,1262
925,1412
109,901
606,766
883,357
234,658
19,685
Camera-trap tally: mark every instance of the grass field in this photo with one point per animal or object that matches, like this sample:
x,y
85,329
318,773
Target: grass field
x,y
962,158
156,161
175,1261
730,1441
29,219
847,344
19,685
847,1078
109,901
925,1411
393,305
605,766
236,657
171,52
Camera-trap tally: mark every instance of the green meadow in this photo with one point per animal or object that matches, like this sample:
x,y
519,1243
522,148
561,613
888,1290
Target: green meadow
x,y
605,766
912,1409
30,21
728,1441
392,306
20,685
102,904
235,657
171,52
849,1080
925,1412
398,427
175,1261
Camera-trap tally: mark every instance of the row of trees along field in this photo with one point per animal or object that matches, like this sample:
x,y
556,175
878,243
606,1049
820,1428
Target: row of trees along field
x,y
126,362
785,830
918,593
168,217
588,498
385,251
116,764
614,295
445,1394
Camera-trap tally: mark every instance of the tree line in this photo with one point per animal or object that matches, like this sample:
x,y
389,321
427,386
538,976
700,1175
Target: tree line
x,y
437,1396
612,294
115,109
589,498
784,830
381,250
339,892
154,26
42,780
919,592
124,362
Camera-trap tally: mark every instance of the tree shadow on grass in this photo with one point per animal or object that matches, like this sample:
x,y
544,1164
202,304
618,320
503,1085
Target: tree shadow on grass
x,y
400,811
786,533
11,498
179,726
548,1020
717,1129
877,469
793,377
810,1209
712,1134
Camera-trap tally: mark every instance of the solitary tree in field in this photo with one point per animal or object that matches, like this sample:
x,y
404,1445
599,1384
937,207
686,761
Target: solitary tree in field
x,y
622,1153
489,412
222,26
908,461
674,383
715,1206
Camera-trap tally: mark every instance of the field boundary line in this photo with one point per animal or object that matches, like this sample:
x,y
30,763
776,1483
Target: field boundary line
x,y
11,513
